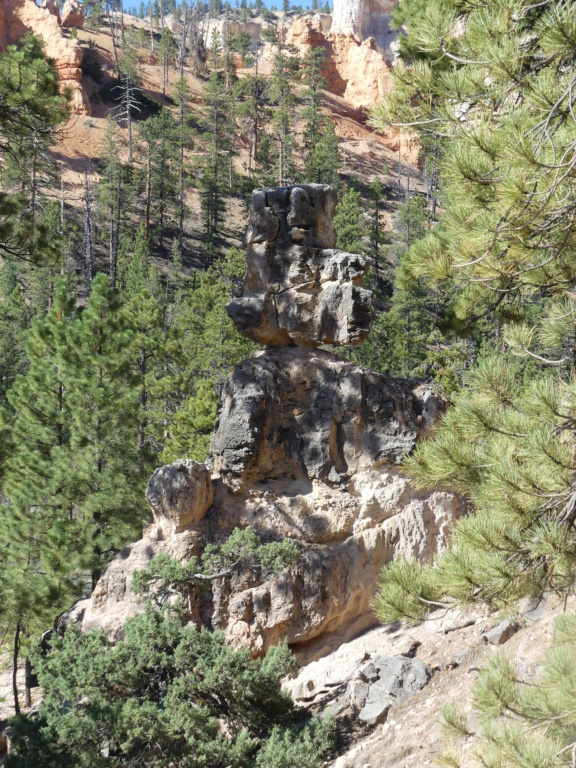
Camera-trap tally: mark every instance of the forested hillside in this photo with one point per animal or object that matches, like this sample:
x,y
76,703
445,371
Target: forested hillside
x,y
120,247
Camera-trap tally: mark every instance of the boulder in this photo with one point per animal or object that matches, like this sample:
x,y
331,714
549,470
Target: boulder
x,y
72,14
365,685
179,495
501,633
297,288
393,679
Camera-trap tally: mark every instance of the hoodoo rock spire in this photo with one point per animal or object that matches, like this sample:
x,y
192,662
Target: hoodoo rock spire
x,y
307,446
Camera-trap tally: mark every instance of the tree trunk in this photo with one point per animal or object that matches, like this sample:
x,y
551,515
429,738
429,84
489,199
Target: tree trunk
x,y
143,402
16,653
88,229
28,682
129,101
114,264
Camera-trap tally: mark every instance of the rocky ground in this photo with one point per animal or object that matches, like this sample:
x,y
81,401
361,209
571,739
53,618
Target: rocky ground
x,y
453,647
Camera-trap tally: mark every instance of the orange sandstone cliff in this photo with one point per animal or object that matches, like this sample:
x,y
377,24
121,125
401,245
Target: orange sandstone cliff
x,y
20,16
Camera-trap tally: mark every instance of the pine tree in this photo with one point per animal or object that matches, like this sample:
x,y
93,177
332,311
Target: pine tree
x,y
185,135
214,183
507,442
211,346
318,138
100,470
323,161
162,141
38,561
14,323
516,724
350,223
128,89
166,687
254,112
110,195
192,426
167,54
32,110
285,70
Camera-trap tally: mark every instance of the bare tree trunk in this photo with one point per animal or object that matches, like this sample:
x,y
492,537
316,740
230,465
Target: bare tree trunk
x,y
250,135
148,193
16,653
114,264
129,114
88,229
112,22
28,682
33,182
181,171
143,402
151,31
122,21
62,205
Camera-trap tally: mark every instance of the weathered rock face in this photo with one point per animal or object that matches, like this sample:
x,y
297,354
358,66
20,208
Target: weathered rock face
x,y
20,16
347,527
307,446
365,19
359,45
72,14
52,7
179,495
304,414
297,288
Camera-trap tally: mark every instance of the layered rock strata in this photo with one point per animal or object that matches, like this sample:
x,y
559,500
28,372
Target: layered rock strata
x,y
307,446
20,16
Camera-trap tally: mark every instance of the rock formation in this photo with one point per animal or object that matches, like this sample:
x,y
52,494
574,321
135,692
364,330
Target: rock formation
x,y
307,445
52,7
20,16
357,68
72,14
297,288
365,19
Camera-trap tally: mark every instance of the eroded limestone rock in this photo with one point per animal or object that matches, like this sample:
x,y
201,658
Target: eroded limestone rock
x,y
302,413
307,446
179,495
72,14
297,288
360,49
365,19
